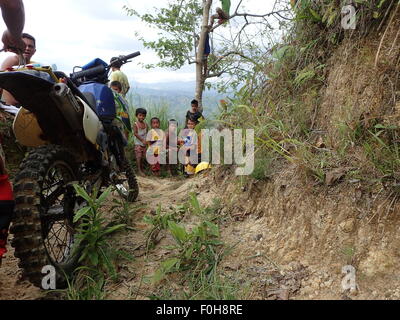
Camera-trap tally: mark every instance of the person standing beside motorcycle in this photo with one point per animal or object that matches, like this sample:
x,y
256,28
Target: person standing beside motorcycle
x,y
27,53
122,108
118,75
6,204
14,18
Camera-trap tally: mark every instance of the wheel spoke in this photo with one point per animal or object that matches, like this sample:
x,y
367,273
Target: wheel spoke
x,y
58,229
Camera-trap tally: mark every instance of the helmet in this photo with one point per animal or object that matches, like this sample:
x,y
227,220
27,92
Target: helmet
x,y
190,170
202,166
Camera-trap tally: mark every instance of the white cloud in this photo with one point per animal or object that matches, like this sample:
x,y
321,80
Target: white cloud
x,y
74,32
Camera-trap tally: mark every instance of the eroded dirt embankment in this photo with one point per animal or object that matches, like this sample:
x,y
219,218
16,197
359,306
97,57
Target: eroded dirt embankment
x,y
310,234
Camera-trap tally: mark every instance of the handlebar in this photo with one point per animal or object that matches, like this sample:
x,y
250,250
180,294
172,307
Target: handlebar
x,y
101,69
88,73
129,56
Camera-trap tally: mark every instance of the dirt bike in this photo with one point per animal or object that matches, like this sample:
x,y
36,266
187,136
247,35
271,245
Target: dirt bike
x,y
69,122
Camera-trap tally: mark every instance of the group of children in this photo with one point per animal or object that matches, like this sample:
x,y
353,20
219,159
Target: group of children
x,y
150,143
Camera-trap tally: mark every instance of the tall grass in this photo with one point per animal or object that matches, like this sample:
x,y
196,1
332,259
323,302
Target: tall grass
x,y
196,254
283,111
94,246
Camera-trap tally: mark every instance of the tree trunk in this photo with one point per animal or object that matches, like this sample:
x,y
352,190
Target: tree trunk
x,y
200,62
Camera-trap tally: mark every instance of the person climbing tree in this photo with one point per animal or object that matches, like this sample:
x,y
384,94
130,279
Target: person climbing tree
x,y
207,51
221,14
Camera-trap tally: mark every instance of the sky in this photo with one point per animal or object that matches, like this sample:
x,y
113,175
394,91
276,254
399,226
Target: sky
x,y
73,32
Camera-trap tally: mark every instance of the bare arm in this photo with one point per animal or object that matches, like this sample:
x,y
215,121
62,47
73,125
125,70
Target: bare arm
x,y
14,17
9,62
136,132
7,97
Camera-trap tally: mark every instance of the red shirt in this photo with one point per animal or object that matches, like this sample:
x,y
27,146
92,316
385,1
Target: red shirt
x,y
6,192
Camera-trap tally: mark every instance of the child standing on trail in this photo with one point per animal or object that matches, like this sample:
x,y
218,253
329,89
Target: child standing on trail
x,y
140,132
122,108
116,86
191,146
155,140
194,113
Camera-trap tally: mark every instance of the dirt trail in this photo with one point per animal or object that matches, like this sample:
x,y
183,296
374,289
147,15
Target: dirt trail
x,y
170,193
263,262
153,191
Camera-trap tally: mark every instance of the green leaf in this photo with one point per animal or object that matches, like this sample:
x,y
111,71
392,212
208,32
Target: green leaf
x,y
315,15
109,264
381,4
167,265
304,76
104,196
148,220
195,204
114,228
158,276
125,255
215,242
389,127
178,232
94,257
82,212
83,256
189,253
82,193
214,230
281,52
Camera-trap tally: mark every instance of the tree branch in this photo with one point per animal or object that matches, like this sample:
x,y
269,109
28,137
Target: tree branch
x,y
240,54
214,75
246,15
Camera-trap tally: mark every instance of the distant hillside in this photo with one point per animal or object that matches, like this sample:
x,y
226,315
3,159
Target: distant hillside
x,y
176,100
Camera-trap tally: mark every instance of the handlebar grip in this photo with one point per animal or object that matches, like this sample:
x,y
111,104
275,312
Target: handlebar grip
x,y
131,56
88,73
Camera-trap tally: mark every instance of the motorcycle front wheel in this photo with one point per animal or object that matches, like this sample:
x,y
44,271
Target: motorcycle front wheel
x,y
43,228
